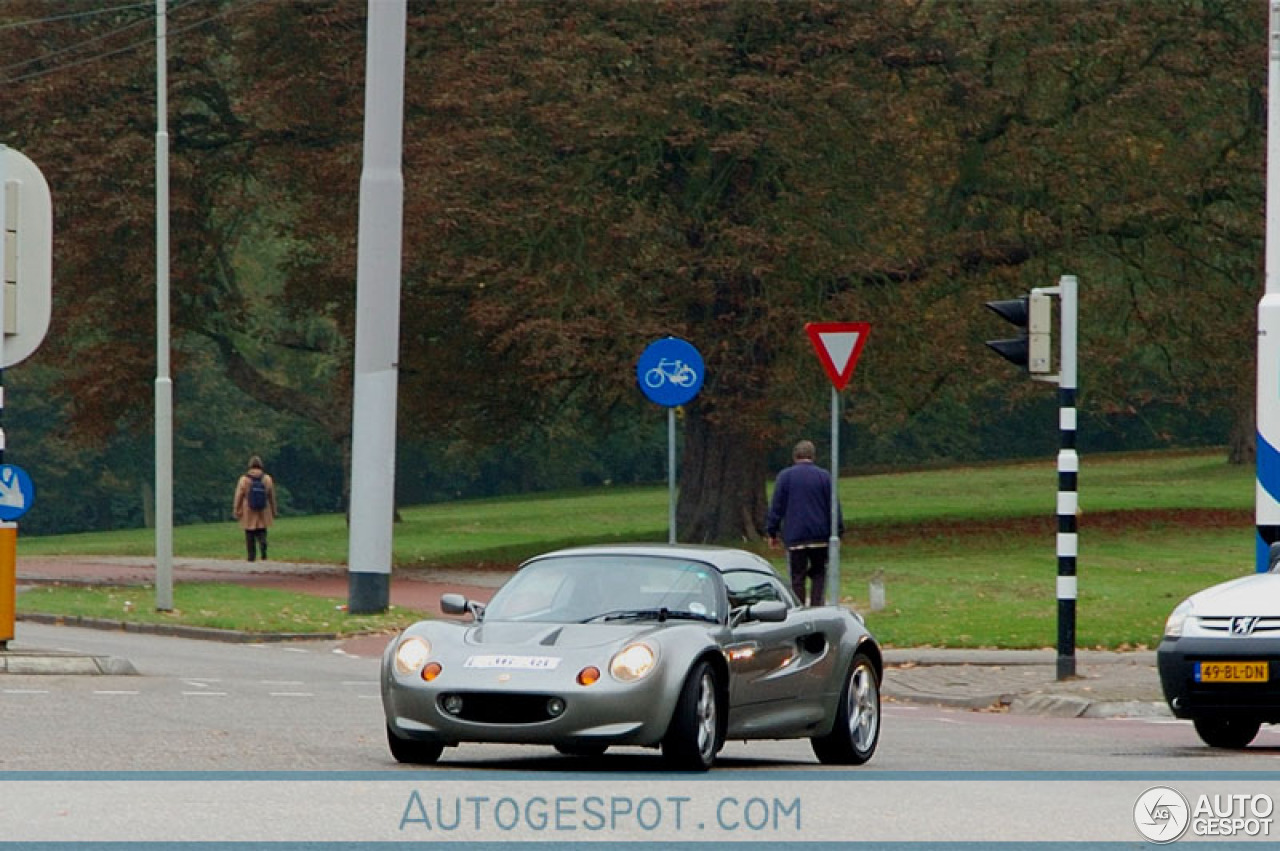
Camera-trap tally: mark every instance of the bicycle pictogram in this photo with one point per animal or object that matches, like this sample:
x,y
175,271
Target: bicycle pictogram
x,y
677,372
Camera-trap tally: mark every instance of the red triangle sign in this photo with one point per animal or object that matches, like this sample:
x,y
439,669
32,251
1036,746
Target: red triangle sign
x,y
838,345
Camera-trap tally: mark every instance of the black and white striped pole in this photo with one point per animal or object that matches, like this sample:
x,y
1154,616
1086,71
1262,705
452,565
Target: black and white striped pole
x,y
1032,350
1068,473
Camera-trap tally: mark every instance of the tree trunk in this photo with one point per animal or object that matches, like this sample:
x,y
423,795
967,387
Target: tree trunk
x,y
1241,442
148,506
722,481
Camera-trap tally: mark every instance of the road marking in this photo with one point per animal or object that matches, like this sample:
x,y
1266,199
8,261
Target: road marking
x,y
294,650
25,691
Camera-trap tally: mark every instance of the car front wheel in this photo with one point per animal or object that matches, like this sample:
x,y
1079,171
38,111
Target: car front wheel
x,y
413,751
1234,733
856,731
693,738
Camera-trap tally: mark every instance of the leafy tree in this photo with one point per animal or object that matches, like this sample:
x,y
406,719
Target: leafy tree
x,y
583,179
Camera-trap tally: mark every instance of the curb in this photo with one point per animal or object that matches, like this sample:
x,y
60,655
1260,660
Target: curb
x,y
1043,705
43,662
204,633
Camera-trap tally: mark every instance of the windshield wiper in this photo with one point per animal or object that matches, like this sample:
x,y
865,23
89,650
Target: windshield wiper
x,y
661,615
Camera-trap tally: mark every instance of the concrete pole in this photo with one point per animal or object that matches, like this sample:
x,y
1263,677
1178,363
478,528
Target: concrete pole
x,y
164,384
377,345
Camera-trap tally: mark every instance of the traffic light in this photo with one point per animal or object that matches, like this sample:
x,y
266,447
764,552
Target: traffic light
x,y
1033,313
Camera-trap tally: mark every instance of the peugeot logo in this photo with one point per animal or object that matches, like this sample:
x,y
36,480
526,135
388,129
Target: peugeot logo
x,y
1243,624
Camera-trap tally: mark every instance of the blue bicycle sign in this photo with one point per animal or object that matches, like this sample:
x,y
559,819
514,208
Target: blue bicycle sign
x,y
670,372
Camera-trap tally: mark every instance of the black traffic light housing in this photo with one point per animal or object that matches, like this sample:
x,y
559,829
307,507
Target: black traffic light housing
x,y
1033,314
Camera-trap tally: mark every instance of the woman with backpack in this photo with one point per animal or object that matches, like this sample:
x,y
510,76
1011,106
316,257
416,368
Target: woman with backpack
x,y
255,506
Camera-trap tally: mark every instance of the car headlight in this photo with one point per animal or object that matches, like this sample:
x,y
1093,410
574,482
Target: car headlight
x,y
633,662
1177,619
412,654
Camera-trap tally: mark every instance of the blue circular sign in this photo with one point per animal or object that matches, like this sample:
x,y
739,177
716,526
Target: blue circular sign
x,y
17,492
670,372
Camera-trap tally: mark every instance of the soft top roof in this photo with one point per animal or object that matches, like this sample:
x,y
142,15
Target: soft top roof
x,y
721,558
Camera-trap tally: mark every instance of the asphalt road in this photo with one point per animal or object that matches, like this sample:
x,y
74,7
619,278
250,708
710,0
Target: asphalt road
x,y
201,705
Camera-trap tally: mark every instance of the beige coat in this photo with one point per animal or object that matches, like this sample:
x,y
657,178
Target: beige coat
x,y
250,519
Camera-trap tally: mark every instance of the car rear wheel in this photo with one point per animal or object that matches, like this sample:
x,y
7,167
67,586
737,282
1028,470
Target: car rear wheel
x,y
693,738
856,731
413,751
1232,733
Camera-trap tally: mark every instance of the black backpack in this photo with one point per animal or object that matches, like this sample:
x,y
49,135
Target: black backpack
x,y
257,493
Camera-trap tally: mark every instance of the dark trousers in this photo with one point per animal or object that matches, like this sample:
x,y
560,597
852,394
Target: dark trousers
x,y
260,537
810,562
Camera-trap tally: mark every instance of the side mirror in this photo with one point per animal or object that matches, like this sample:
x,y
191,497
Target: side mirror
x,y
768,611
453,604
1273,557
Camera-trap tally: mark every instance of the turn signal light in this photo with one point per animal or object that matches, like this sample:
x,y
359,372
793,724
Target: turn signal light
x,y
431,671
588,675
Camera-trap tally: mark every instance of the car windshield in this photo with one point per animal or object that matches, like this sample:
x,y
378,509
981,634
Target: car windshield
x,y
609,588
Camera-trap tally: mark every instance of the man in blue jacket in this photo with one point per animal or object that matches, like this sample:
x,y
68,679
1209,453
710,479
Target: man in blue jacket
x,y
801,509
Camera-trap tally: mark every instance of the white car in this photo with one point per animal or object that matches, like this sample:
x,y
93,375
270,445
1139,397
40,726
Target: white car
x,y
1219,659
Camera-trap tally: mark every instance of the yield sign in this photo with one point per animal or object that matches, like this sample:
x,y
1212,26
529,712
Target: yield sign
x,y
838,345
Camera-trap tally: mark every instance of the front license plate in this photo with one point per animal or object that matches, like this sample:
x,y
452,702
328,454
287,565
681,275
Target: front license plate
x,y
1232,672
524,663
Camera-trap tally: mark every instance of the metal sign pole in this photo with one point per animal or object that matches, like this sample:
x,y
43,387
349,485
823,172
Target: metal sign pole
x,y
833,544
671,475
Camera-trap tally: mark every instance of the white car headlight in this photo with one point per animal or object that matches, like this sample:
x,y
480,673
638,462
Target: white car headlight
x,y
411,655
1177,619
633,662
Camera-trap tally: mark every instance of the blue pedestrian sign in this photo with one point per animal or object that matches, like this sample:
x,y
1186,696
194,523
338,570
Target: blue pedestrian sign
x,y
17,492
670,372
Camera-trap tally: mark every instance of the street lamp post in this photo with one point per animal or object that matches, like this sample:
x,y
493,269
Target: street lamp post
x,y
164,384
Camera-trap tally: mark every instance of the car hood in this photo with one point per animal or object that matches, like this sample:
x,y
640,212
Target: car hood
x,y
563,636
1249,595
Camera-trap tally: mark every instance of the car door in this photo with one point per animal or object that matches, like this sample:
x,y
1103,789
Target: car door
x,y
768,662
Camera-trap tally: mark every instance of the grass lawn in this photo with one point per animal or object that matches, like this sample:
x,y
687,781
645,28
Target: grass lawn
x,y
978,595
213,605
968,553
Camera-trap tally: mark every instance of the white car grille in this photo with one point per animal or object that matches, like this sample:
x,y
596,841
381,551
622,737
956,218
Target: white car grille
x,y
1241,625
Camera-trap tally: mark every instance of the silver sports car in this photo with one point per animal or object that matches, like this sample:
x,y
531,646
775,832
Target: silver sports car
x,y
677,647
